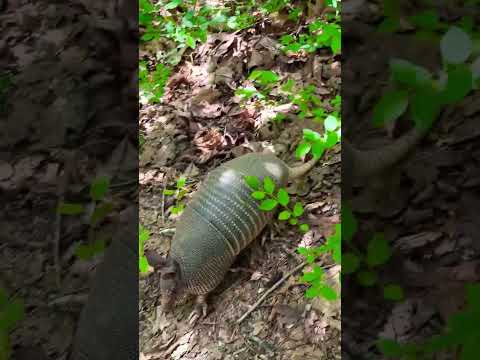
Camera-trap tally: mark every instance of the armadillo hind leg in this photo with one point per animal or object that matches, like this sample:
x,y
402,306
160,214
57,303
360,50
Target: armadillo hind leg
x,y
200,309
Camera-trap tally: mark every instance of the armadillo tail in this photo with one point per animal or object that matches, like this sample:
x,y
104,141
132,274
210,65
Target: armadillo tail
x,y
369,162
299,171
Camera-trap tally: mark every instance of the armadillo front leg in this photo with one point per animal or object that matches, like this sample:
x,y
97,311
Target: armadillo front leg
x,y
200,309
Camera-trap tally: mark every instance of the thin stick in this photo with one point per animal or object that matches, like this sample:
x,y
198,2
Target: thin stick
x,y
163,204
272,289
61,190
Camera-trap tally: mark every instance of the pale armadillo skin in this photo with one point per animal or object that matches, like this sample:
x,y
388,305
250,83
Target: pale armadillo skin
x,y
221,220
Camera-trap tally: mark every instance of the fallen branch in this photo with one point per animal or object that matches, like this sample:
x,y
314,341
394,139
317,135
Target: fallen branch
x,y
272,289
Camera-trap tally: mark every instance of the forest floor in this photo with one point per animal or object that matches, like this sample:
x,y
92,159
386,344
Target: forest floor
x,y
426,206
201,123
67,113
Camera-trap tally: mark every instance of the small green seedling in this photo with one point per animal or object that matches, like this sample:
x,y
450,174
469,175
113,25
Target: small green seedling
x,y
11,312
264,81
461,335
179,193
143,236
320,35
315,278
269,200
364,264
101,209
152,84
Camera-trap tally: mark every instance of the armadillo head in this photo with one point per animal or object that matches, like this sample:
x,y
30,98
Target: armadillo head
x,y
169,274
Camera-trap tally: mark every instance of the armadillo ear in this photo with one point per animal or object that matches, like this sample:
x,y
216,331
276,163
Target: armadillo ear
x,y
156,260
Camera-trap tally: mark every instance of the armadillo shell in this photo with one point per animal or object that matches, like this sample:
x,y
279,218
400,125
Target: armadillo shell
x,y
221,220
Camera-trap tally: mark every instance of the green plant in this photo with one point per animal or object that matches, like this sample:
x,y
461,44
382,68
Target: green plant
x,y
179,193
143,236
11,312
462,334
95,214
315,278
414,87
264,81
152,84
364,264
320,35
270,199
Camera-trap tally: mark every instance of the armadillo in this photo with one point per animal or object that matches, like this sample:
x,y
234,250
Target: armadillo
x,y
220,221
108,325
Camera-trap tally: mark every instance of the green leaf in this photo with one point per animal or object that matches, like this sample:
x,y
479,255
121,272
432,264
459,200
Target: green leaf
x,y
268,205
5,346
426,105
378,250
318,148
144,235
298,209
312,292
100,212
456,46
311,136
426,20
11,314
390,107
332,140
172,4
367,278
284,215
459,84
393,292
390,348
181,183
331,123
288,86
473,295
268,185
293,221
407,73
389,25
350,263
252,182
246,93
84,252
190,41
304,228
302,149
283,197
143,264
70,209
264,77
258,195
312,276
327,293
99,188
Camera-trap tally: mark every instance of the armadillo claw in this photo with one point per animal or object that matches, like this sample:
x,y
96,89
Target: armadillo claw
x,y
200,310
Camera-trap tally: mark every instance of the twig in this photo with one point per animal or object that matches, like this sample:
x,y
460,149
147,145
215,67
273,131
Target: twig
x,y
163,203
61,190
167,231
269,291
69,299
